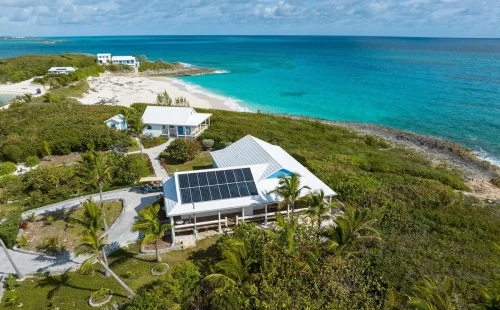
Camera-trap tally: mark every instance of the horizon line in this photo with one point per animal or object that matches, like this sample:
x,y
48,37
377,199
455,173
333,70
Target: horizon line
x,y
256,35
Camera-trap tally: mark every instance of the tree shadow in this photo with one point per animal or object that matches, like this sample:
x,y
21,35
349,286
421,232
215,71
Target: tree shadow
x,y
205,258
64,280
202,167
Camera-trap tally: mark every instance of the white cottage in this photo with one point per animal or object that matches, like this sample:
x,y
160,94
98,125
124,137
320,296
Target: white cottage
x,y
124,60
118,122
104,58
236,189
175,122
62,70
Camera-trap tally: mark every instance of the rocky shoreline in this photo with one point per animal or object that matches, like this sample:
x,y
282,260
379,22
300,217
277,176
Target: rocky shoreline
x,y
478,174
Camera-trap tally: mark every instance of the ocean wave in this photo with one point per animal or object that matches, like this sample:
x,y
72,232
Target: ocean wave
x,y
220,72
185,64
232,103
486,156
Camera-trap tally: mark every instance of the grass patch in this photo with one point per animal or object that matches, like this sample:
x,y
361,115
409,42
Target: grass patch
x,y
153,141
61,226
201,161
35,293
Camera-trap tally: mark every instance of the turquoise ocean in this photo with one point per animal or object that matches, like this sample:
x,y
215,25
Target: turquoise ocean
x,y
448,88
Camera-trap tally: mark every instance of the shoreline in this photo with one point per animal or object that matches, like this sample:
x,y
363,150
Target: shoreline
x,y
124,90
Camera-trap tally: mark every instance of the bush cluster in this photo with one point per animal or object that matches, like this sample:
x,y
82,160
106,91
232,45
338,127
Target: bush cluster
x,y
181,151
7,168
57,129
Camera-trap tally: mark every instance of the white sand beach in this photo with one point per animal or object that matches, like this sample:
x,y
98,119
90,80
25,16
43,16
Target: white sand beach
x,y
20,88
125,90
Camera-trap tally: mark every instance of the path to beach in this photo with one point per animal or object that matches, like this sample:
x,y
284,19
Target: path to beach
x,y
119,234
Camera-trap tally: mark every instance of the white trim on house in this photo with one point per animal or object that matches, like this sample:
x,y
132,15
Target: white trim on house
x,y
175,122
264,160
62,70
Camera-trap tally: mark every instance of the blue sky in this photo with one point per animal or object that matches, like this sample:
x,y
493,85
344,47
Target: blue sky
x,y
445,18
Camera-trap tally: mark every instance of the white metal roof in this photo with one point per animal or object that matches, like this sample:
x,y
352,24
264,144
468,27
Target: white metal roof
x,y
247,151
252,153
123,58
180,116
104,54
118,118
62,69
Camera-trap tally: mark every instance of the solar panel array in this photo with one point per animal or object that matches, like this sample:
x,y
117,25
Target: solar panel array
x,y
216,185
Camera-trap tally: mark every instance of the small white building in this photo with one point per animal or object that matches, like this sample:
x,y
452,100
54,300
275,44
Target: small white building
x,y
175,122
118,122
124,60
104,58
236,189
62,70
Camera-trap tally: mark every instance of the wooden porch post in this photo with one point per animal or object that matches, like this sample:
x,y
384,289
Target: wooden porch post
x,y
265,215
220,228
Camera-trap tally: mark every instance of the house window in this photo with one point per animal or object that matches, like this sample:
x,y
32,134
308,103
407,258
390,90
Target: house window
x,y
172,126
149,127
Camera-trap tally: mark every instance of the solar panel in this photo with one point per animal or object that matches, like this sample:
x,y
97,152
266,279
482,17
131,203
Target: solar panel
x,y
221,177
183,181
205,193
243,189
202,178
230,176
247,173
216,185
186,195
193,179
212,179
233,190
195,194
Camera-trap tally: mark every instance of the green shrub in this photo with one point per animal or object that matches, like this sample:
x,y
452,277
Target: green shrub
x,y
194,147
10,282
22,241
49,219
7,168
207,143
101,295
149,141
32,161
13,153
10,228
177,152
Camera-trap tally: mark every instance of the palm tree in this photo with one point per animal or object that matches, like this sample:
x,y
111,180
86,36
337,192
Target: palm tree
x,y
96,169
52,244
95,248
150,226
319,210
90,219
18,272
492,300
350,229
235,268
137,127
289,190
128,114
430,294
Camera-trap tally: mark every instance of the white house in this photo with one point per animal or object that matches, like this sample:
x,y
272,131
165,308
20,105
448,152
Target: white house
x,y
175,122
117,121
62,70
236,189
124,60
104,58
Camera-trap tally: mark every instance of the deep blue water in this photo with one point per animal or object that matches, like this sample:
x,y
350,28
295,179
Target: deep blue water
x,y
443,87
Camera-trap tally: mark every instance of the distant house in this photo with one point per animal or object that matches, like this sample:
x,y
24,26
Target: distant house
x,y
62,70
236,189
124,60
104,58
117,121
175,122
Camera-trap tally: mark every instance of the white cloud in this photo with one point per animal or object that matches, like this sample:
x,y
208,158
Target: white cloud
x,y
126,15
